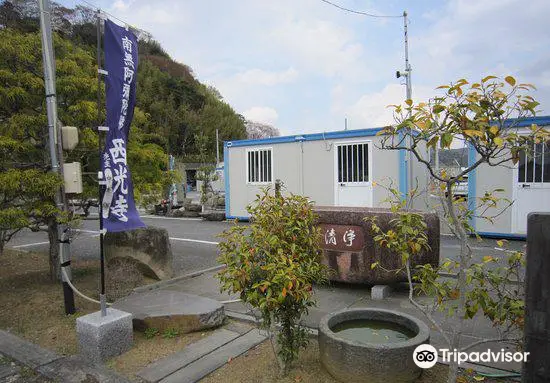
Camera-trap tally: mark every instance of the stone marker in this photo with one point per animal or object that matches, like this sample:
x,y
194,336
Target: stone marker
x,y
149,247
166,309
537,300
103,337
349,250
380,292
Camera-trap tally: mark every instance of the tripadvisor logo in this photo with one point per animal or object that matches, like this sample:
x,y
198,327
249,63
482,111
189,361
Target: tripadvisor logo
x,y
426,356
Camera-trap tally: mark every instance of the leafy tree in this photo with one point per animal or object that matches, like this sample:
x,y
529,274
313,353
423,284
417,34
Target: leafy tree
x,y
172,106
273,264
29,187
479,115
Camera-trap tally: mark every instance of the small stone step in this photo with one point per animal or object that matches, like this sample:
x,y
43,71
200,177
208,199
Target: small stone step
x,y
216,359
166,366
167,309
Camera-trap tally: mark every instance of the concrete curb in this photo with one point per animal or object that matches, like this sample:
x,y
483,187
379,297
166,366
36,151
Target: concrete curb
x,y
168,282
70,369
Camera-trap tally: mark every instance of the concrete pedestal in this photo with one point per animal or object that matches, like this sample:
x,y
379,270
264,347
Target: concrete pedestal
x,y
101,338
380,292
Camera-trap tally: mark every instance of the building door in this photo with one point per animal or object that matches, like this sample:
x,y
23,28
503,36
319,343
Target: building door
x,y
353,174
532,186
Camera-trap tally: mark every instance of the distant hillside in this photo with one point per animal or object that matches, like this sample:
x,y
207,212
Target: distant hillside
x,y
174,114
175,105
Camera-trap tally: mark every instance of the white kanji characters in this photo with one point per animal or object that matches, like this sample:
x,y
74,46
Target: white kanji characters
x,y
121,122
121,174
330,237
124,107
348,237
118,151
120,209
129,60
127,44
128,75
106,160
125,91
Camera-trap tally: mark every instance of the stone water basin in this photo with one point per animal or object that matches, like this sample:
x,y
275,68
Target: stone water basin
x,y
371,345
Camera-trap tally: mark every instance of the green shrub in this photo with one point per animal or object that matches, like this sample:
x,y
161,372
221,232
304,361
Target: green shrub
x,y
272,264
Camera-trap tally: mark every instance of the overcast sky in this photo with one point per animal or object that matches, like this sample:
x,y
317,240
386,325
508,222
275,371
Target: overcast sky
x,y
304,66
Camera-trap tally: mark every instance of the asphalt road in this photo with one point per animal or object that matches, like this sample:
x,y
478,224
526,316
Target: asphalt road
x,y
194,242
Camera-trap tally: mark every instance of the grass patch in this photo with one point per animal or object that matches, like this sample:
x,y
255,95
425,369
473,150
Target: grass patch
x,y
32,306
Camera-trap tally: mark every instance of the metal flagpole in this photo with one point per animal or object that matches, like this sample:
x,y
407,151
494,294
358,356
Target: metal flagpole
x,y
54,145
100,71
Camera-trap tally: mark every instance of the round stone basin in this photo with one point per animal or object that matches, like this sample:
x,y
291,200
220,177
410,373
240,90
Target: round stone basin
x,y
371,345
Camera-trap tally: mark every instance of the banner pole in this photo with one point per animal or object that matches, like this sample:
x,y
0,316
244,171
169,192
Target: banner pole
x,y
100,191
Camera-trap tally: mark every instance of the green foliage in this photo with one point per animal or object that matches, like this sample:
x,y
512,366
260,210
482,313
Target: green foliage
x,y
407,237
484,116
26,191
171,104
206,173
151,332
476,114
494,289
273,263
170,333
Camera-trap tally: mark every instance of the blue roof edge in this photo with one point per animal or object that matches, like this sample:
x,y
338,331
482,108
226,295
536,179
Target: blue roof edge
x,y
528,121
305,137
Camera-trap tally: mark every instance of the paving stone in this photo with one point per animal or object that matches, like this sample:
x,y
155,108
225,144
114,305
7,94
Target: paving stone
x,y
211,362
25,352
168,309
75,369
166,366
239,327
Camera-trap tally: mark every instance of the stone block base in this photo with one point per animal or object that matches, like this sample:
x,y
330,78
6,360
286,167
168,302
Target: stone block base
x,y
101,338
380,292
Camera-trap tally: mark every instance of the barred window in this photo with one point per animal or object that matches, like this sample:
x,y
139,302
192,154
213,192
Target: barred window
x,y
259,166
353,163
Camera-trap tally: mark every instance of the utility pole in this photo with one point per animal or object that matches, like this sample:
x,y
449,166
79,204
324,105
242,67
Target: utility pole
x,y
55,149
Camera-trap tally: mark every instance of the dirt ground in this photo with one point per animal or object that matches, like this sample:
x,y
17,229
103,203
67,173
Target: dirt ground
x,y
146,351
32,307
258,365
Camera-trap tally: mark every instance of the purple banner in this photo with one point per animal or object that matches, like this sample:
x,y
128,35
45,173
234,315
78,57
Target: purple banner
x,y
121,60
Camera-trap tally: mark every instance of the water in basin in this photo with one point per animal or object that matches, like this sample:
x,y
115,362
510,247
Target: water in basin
x,y
373,331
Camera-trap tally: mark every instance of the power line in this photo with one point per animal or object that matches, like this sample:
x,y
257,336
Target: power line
x,y
93,6
359,12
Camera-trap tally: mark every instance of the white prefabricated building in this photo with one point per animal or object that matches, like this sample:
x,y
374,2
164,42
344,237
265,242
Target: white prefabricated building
x,y
346,168
526,184
333,168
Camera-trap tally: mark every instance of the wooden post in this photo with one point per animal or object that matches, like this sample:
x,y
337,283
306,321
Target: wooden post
x,y
537,300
